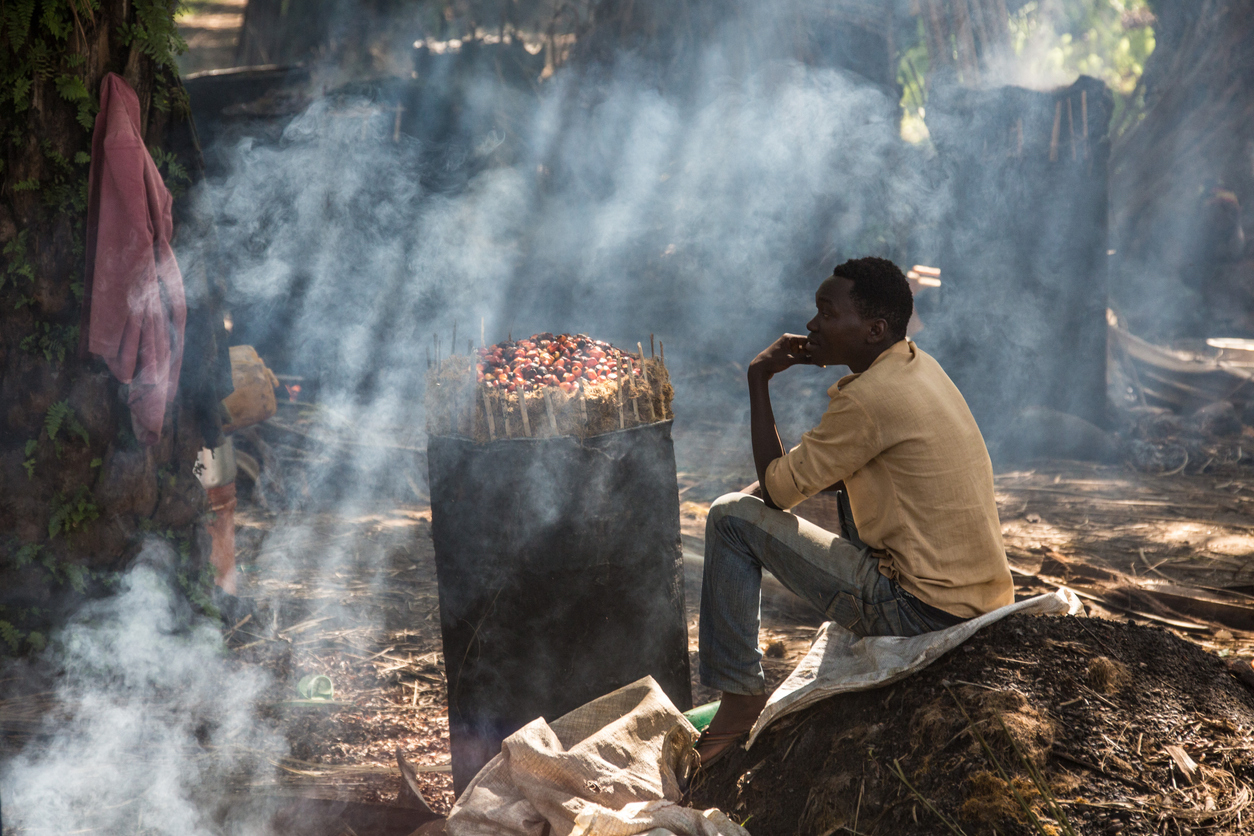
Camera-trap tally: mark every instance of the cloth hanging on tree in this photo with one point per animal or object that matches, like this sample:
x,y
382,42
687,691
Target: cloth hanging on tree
x,y
134,311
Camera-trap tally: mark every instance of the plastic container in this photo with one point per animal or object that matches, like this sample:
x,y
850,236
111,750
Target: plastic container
x,y
560,578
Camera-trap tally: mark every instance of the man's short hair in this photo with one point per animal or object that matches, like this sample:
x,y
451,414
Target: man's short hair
x,y
880,291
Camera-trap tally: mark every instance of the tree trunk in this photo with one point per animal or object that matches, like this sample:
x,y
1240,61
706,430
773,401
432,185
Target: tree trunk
x,y
77,491
1193,139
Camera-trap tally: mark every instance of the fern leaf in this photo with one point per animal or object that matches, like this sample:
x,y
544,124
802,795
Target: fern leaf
x,y
11,636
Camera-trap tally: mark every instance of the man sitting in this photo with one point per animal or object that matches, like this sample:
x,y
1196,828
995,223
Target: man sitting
x,y
926,552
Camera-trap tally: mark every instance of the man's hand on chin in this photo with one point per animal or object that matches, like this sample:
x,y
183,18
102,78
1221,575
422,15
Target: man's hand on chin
x,y
786,352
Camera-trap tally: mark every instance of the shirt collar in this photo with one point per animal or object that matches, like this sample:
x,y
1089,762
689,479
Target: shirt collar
x,y
901,347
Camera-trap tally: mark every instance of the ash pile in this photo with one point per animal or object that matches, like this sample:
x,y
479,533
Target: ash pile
x,y
555,522
1033,726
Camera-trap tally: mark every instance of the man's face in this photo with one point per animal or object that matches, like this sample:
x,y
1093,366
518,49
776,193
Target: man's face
x,y
838,335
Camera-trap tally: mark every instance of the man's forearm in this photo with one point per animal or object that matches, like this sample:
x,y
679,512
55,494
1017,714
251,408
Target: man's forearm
x,y
766,444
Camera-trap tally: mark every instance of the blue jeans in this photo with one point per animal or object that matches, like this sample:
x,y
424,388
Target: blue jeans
x,y
838,576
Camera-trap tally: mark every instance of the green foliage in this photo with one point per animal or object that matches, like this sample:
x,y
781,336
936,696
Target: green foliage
x,y
11,636
72,514
196,582
32,445
17,263
155,32
1107,39
54,342
1053,41
73,90
25,554
172,171
60,415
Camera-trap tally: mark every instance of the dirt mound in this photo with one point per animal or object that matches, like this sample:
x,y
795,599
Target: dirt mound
x,y
1036,725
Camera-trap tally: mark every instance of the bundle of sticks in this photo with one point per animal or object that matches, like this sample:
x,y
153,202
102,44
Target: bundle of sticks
x,y
545,386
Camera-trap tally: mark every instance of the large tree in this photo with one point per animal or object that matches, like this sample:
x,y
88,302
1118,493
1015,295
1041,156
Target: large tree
x,y
78,492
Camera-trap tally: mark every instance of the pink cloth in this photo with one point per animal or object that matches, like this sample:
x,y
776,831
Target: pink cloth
x,y
134,310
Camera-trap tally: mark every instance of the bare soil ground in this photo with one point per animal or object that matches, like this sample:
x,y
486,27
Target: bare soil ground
x,y
353,595
376,630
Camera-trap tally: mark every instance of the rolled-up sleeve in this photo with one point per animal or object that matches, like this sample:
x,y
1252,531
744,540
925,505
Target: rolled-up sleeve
x,y
845,440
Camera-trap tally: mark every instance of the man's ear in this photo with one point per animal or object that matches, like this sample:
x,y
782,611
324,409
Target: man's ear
x,y
877,331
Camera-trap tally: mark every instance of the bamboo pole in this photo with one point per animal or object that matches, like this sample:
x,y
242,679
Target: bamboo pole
x,y
522,405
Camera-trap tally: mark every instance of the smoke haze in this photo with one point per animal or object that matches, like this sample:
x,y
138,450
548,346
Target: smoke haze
x,y
614,201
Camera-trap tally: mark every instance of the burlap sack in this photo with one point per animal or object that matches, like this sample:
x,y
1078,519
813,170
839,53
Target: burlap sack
x,y
614,767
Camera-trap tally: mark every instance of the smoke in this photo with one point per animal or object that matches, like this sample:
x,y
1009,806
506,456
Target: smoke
x,y
614,209
153,719
612,201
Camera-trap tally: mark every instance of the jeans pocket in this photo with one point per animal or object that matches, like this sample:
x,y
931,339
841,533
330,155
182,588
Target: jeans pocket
x,y
845,610
912,621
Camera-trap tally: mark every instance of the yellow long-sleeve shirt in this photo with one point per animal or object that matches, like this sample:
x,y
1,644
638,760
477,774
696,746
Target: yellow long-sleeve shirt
x,y
919,478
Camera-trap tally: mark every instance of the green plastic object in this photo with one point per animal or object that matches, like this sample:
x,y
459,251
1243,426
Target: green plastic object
x,y
701,716
315,687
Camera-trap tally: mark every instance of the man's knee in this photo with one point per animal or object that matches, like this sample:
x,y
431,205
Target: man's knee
x,y
740,505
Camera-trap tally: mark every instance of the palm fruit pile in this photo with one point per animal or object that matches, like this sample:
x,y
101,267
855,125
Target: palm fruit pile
x,y
543,386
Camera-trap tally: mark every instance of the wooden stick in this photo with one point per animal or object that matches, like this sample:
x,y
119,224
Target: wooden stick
x,y
436,340
483,343
648,387
522,403
1084,120
583,403
505,419
1071,128
625,371
1053,140
622,420
427,351
548,406
652,353
487,411
662,351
